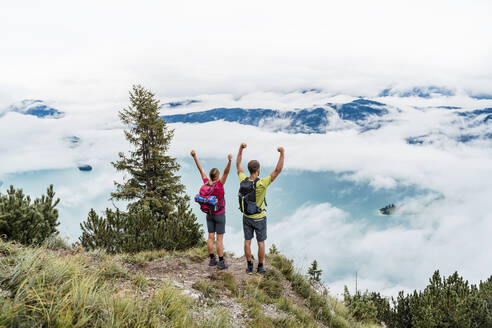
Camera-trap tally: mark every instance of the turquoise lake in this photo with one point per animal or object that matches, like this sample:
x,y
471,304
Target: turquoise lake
x,y
291,190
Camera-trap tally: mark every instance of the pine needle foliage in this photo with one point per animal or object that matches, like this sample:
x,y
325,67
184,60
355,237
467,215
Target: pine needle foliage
x,y
158,212
445,302
313,272
152,172
28,222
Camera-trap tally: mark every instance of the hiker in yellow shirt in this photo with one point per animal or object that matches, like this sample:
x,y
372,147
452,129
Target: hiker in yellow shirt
x,y
252,202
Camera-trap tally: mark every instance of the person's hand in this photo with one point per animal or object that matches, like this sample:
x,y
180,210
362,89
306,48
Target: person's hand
x,y
281,150
243,145
192,153
229,157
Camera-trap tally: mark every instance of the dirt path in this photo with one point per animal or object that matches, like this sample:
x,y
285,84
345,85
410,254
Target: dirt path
x,y
186,271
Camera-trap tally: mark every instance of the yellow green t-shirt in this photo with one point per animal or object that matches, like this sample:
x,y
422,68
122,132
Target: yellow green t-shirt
x,y
261,188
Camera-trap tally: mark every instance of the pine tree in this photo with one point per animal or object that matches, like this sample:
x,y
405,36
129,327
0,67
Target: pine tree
x,y
153,181
158,211
313,272
105,232
445,302
273,250
29,223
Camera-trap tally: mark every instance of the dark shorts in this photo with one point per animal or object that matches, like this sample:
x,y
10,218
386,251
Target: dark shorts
x,y
258,227
216,223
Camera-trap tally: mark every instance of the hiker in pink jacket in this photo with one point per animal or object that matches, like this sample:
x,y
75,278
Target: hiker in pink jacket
x,y
215,214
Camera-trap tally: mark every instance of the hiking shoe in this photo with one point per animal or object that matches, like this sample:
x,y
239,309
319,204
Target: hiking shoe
x,y
213,261
222,265
249,269
261,270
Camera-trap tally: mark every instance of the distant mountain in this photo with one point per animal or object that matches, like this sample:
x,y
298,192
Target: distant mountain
x,y
173,104
480,115
35,107
364,113
422,92
469,125
360,114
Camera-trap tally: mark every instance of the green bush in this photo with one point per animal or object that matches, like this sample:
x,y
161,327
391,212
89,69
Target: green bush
x,y
140,229
445,302
29,223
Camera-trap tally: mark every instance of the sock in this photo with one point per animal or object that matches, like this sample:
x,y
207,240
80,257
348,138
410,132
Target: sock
x,y
250,263
260,265
221,258
212,256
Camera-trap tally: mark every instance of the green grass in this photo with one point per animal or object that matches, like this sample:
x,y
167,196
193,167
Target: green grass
x,y
302,318
48,290
56,242
43,287
112,270
327,310
227,281
270,283
140,280
208,289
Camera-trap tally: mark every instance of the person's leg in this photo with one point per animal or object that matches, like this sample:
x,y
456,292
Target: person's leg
x,y
220,245
220,230
248,235
261,235
210,240
247,250
210,243
220,250
261,252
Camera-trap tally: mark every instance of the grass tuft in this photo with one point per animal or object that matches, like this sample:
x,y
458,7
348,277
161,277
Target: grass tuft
x,y
56,243
228,280
206,288
270,283
140,280
112,270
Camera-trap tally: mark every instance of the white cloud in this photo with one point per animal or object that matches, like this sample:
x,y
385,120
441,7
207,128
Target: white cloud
x,y
401,256
93,51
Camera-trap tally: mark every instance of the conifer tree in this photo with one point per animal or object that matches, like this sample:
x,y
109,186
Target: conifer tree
x,y
313,272
273,250
27,222
445,302
152,172
158,211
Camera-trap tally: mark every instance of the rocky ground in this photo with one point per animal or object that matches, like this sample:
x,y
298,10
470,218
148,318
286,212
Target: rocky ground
x,y
186,271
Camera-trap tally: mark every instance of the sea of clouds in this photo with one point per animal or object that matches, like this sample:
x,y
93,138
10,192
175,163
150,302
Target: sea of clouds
x,y
448,228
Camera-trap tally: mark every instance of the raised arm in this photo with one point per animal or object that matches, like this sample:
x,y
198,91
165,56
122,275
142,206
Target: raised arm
x,y
280,164
223,179
240,158
198,165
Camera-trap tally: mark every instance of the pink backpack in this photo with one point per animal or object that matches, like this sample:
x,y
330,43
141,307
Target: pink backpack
x,y
208,202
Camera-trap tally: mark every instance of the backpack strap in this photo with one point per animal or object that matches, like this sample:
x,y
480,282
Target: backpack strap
x,y
264,198
213,188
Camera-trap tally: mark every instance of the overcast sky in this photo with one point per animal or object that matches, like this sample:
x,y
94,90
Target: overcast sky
x,y
89,51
